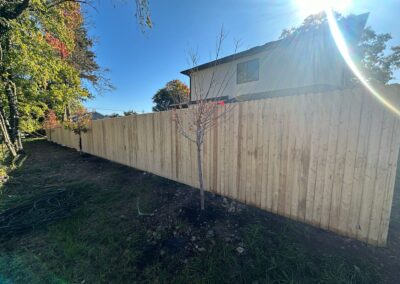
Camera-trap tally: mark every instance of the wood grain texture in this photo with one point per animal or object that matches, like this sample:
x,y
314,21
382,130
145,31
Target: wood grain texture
x,y
325,159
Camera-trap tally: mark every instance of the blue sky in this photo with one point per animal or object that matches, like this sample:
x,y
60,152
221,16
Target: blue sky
x,y
141,64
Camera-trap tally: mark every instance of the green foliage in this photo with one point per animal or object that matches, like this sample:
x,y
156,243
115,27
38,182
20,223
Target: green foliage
x,y
174,92
129,112
378,62
49,58
113,115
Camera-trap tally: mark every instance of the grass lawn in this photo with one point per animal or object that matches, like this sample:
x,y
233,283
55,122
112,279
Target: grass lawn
x,y
66,218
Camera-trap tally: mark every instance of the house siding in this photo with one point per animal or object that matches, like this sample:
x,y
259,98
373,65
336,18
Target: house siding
x,y
304,60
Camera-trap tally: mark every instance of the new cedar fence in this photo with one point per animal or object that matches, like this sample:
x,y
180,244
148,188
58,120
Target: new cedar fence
x,y
325,159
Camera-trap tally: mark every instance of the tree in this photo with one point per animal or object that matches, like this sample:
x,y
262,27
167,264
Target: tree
x,y
79,123
10,10
129,112
377,64
45,58
34,70
377,61
50,121
84,60
174,92
194,122
113,115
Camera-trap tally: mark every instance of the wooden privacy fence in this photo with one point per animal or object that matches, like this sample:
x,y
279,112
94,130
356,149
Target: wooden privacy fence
x,y
325,159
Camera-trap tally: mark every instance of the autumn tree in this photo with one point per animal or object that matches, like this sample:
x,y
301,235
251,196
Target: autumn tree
x,y
45,60
34,71
174,92
377,61
196,121
50,122
79,123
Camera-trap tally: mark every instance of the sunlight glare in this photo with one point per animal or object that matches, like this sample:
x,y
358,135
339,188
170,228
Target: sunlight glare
x,y
342,46
309,7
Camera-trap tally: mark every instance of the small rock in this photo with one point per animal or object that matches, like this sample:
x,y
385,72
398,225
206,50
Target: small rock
x,y
193,238
201,249
240,250
162,252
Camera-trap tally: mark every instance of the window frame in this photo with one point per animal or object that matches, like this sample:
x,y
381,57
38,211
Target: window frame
x,y
245,65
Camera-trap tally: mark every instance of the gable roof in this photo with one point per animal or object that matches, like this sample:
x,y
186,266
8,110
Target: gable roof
x,y
96,115
351,27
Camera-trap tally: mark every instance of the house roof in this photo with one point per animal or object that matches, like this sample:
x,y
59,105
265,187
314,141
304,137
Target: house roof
x,y
96,115
351,27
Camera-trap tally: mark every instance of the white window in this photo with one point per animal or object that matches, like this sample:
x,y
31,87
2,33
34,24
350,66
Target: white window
x,y
247,71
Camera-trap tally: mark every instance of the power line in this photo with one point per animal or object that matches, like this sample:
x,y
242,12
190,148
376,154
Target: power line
x,y
96,108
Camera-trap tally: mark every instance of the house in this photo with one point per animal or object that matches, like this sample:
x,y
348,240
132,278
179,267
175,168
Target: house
x,y
304,62
96,115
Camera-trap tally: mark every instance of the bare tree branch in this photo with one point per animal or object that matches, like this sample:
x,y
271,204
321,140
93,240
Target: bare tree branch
x,y
194,122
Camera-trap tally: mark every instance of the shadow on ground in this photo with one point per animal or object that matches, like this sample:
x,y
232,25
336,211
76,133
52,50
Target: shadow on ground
x,y
66,218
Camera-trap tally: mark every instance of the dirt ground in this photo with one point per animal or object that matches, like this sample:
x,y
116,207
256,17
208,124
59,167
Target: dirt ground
x,y
66,218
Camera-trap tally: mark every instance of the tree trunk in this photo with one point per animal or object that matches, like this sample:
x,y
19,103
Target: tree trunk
x,y
6,121
67,112
200,172
6,136
14,115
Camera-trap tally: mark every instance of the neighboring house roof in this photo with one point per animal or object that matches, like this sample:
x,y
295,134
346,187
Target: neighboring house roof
x,y
96,115
351,27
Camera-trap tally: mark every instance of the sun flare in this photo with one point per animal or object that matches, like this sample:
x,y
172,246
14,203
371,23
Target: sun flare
x,y
308,7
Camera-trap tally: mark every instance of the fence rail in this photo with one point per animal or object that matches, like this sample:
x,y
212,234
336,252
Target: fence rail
x,y
325,159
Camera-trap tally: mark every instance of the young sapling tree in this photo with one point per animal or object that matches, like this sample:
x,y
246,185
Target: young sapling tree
x,y
50,122
206,108
80,123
